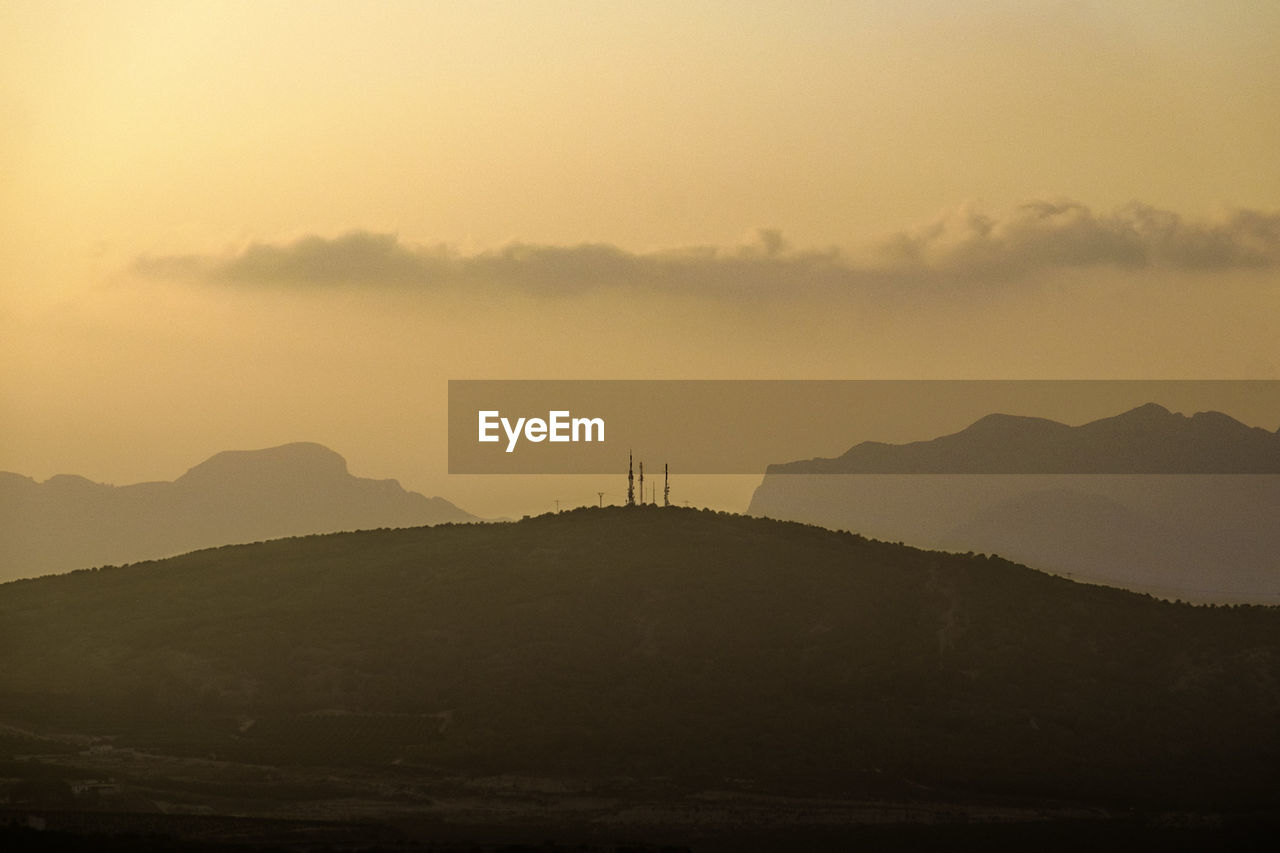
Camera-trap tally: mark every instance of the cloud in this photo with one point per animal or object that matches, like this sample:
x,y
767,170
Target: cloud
x,y
356,257
1041,235
368,259
963,244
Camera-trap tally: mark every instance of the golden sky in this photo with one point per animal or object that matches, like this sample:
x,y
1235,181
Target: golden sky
x,y
234,224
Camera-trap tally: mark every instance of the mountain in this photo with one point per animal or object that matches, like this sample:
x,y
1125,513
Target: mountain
x,y
1088,532
1147,440
69,522
650,643
1182,507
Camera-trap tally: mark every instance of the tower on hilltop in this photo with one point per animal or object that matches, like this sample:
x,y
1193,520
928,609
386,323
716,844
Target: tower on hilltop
x,y
631,480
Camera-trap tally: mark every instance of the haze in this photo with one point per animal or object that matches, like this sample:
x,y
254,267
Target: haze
x,y
239,225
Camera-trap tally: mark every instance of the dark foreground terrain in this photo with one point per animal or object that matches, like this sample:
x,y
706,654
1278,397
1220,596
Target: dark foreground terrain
x,y
643,676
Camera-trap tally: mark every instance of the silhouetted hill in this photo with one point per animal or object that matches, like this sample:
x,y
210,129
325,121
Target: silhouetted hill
x,y
68,522
290,466
648,642
1148,500
1147,440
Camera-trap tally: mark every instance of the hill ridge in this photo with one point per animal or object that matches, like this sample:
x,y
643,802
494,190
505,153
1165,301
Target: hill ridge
x,y
652,641
1148,439
70,522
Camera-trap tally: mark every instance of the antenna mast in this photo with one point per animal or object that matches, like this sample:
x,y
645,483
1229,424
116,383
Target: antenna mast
x,y
631,481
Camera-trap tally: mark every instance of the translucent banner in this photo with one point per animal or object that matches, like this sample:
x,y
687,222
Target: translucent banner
x,y
865,426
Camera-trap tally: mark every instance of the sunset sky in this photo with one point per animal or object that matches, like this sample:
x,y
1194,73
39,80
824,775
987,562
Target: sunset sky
x,y
238,224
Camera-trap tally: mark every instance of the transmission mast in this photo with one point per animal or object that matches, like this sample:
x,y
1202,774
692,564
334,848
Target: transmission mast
x,y
631,480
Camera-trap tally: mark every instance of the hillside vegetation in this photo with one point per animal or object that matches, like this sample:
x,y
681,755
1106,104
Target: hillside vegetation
x,y
657,642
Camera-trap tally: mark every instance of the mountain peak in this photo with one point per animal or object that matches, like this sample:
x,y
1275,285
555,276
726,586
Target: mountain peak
x,y
1149,439
1212,417
235,496
999,423
72,481
1148,410
296,463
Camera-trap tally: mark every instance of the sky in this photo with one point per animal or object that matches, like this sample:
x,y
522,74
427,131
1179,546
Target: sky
x,y
233,225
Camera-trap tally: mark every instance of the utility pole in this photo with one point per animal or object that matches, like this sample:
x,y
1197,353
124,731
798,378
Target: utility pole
x,y
631,481
642,483
557,504
601,494
666,484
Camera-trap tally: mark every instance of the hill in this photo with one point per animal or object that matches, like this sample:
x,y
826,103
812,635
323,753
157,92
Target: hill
x,y
1182,507
646,642
69,522
1147,440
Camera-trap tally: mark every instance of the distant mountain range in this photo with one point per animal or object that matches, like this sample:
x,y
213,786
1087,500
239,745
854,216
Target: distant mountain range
x,y
1147,440
69,522
1184,507
695,647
